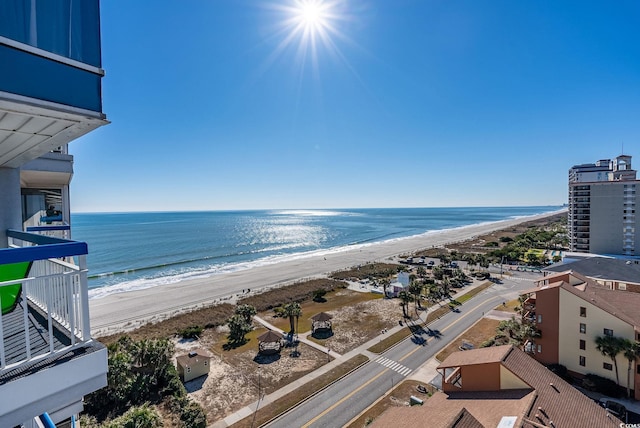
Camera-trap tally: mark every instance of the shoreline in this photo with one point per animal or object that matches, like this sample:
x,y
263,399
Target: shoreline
x,y
127,310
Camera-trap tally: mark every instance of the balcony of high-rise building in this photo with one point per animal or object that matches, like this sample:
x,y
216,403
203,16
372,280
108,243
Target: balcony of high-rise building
x,y
50,95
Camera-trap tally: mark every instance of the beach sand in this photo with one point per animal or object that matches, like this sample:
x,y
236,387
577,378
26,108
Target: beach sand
x,y
125,311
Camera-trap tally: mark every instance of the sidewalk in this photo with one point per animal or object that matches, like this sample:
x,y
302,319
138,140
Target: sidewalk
x,y
338,359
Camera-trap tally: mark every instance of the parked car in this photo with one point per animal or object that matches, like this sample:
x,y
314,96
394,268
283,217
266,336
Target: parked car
x,y
616,409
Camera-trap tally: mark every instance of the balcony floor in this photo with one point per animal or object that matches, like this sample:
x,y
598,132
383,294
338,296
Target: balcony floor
x,y
14,337
15,345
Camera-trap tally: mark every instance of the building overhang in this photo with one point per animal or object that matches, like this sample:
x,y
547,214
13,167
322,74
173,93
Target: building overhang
x,y
50,169
59,387
29,127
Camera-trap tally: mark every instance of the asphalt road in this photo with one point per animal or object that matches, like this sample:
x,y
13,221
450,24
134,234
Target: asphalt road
x,y
347,398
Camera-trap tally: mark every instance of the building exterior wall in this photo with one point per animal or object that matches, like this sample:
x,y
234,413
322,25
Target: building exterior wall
x,y
606,218
547,307
596,320
41,78
197,367
10,203
602,202
508,380
481,377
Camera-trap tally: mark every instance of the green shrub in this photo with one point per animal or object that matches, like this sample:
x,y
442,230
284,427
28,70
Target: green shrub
x,y
191,413
192,332
138,417
487,343
318,295
601,384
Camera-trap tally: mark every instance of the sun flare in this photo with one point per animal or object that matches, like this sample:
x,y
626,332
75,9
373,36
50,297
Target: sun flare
x,y
309,32
312,13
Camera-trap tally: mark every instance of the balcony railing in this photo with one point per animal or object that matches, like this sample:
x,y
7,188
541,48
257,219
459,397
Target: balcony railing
x,y
52,314
62,231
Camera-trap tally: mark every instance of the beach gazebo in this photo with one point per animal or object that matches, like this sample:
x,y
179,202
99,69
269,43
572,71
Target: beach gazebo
x,y
269,343
321,322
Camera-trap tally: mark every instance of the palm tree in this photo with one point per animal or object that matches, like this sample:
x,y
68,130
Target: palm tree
x,y
610,346
247,311
517,333
293,311
405,298
415,288
631,351
385,283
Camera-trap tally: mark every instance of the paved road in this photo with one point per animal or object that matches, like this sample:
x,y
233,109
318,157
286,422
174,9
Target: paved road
x,y
346,399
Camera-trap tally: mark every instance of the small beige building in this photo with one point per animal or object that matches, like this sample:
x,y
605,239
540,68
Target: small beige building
x,y
194,364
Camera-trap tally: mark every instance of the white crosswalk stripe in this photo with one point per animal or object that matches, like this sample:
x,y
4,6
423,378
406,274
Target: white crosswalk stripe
x,y
393,365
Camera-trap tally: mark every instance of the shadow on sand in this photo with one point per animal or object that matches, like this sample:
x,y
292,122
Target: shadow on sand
x,y
266,359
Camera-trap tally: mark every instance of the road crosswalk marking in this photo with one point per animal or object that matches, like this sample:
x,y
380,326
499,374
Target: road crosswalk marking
x,y
395,366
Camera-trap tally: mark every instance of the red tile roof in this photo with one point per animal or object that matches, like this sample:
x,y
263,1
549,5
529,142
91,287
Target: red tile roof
x,y
550,399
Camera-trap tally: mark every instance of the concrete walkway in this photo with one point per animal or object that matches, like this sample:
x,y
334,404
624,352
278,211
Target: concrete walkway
x,y
337,360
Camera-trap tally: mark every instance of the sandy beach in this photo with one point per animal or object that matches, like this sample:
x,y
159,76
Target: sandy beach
x,y
127,310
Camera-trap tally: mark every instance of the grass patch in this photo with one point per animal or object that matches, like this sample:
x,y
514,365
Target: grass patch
x,y
298,292
510,306
400,394
290,400
399,336
392,339
474,292
334,301
209,317
434,315
481,331
369,270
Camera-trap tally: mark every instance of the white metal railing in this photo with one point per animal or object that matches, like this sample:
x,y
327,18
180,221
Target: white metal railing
x,y
60,230
58,287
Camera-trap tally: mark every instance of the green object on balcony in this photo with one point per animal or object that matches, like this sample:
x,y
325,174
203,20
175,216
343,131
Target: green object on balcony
x,y
9,293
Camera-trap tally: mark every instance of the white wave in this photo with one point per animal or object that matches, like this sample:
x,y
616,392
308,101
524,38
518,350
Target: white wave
x,y
200,273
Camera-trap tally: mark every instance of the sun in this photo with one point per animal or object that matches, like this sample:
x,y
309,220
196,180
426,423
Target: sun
x,y
308,32
312,14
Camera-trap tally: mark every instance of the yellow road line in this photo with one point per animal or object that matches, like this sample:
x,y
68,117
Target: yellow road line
x,y
448,327
345,398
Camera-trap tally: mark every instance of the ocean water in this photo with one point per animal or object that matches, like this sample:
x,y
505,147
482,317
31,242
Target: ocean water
x,y
130,251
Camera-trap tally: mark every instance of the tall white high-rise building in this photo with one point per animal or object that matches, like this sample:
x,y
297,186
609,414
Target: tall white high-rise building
x,y
602,207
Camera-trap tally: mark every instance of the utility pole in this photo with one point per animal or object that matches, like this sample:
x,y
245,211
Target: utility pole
x,y
259,397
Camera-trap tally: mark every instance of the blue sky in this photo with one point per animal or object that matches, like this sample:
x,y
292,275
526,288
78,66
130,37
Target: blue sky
x,y
412,103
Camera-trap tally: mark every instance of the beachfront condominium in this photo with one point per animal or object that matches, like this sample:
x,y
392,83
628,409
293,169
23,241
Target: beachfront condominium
x,y
602,208
50,94
571,314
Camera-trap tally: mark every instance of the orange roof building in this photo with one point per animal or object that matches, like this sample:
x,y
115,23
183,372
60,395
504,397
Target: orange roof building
x,y
499,387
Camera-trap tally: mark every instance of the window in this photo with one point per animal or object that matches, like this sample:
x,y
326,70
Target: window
x,y
622,287
188,369
583,328
583,344
583,361
63,27
608,332
539,319
539,348
205,362
583,311
607,366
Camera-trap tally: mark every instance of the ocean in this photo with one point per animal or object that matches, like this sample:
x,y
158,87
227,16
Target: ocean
x,y
129,251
